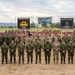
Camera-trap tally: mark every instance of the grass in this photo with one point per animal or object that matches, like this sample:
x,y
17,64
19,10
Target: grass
x,y
37,29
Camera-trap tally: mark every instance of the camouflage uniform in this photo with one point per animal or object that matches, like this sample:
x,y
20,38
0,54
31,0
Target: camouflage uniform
x,y
47,51
4,50
12,47
29,49
38,48
56,47
63,48
71,47
21,48
0,40
67,39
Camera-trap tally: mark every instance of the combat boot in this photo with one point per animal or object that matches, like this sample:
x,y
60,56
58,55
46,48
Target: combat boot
x,y
68,60
2,61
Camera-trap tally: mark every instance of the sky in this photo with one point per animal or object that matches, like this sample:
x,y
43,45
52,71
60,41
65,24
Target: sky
x,y
10,10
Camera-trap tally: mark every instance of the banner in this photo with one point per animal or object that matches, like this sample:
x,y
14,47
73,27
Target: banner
x,y
23,23
44,21
66,22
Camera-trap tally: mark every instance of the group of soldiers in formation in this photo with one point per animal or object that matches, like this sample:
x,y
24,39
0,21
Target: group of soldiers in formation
x,y
46,41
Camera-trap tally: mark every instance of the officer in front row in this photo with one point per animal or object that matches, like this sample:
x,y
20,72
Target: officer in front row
x,y
21,48
63,48
12,49
71,48
47,51
29,49
38,48
4,51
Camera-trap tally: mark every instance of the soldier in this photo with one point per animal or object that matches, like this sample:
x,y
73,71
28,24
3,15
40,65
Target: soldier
x,y
16,39
71,47
47,51
29,49
56,47
4,50
38,48
21,48
12,47
63,48
0,39
66,38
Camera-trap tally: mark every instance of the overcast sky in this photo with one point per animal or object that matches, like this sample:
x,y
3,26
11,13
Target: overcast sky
x,y
11,9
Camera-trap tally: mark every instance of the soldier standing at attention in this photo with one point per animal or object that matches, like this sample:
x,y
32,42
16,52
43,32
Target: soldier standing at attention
x,y
71,47
56,47
12,47
47,51
4,50
29,49
63,48
38,48
21,48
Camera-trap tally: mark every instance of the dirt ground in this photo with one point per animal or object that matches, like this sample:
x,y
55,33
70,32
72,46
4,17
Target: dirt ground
x,y
37,69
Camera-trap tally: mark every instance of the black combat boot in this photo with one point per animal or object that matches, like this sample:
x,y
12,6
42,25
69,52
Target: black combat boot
x,y
6,61
68,60
72,60
64,60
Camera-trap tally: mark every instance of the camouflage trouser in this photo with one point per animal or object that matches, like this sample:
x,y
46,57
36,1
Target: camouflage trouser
x,y
0,42
55,56
38,54
11,56
63,55
21,55
70,57
29,56
47,57
4,56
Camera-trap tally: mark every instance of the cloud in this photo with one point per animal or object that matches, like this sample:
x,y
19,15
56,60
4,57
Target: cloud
x,y
27,8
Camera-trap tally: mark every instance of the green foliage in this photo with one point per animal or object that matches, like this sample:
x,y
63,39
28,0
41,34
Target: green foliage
x,y
57,25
